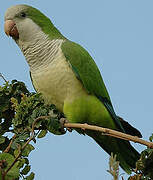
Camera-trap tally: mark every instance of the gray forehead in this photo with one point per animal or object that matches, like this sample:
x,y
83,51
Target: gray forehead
x,y
13,10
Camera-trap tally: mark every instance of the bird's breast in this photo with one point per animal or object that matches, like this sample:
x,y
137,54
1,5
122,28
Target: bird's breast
x,y
57,82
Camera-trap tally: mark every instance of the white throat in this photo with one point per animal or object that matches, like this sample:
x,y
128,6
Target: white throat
x,y
39,50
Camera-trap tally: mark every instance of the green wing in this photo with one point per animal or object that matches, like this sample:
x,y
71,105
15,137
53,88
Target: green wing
x,y
88,73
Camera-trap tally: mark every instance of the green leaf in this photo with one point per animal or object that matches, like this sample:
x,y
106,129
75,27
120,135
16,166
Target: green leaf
x,y
2,139
23,136
54,126
16,152
145,163
27,150
151,138
42,134
30,177
9,159
21,163
37,125
26,170
15,144
4,145
26,161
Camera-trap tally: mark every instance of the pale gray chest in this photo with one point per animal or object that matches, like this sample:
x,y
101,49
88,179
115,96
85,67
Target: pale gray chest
x,y
51,73
57,82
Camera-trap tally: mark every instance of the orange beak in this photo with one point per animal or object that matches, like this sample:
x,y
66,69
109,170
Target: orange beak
x,y
11,29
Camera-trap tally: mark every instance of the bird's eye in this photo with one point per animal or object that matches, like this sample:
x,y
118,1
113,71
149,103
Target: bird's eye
x,y
23,14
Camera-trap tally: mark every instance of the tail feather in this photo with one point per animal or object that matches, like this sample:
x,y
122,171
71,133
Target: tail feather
x,y
130,129
126,154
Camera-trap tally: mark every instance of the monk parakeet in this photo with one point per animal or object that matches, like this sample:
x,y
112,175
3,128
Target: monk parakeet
x,y
67,76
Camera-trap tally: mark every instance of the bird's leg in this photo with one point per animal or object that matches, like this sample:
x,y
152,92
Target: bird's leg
x,y
62,122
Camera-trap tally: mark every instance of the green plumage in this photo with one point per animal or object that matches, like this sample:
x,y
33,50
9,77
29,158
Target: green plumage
x,y
99,109
73,81
85,68
88,73
43,21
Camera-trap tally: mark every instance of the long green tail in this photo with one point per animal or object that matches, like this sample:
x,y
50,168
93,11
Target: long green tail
x,y
126,154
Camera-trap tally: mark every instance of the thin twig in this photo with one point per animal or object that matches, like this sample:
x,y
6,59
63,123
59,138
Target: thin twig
x,y
110,132
2,77
22,148
9,146
2,173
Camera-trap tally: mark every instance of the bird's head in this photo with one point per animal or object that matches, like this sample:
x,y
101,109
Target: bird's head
x,y
24,22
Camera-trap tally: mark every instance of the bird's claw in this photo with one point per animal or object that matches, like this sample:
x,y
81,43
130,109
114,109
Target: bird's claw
x,y
62,122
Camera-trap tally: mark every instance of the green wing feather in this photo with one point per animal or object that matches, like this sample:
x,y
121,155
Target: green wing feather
x,y
88,73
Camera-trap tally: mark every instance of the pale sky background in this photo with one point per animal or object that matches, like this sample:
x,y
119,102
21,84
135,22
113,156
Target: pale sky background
x,y
119,36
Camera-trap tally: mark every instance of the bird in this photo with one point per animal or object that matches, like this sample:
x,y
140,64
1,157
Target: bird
x,y
67,76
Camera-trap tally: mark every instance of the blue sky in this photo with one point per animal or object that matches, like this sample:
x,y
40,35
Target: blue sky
x,y
119,36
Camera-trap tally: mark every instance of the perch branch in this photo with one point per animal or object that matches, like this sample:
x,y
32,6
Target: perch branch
x,y
110,132
106,131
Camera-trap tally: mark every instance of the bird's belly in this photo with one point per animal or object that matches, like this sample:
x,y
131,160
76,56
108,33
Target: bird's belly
x,y
57,83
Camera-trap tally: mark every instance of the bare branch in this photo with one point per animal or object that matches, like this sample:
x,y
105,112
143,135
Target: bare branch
x,y
3,77
9,146
110,132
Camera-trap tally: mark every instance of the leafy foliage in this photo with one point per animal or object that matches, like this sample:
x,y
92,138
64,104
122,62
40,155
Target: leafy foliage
x,y
22,114
6,160
144,166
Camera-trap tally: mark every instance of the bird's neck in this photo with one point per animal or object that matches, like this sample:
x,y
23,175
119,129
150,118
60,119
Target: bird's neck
x,y
40,51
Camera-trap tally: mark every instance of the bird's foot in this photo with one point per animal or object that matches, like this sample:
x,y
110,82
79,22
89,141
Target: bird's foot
x,y
62,122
